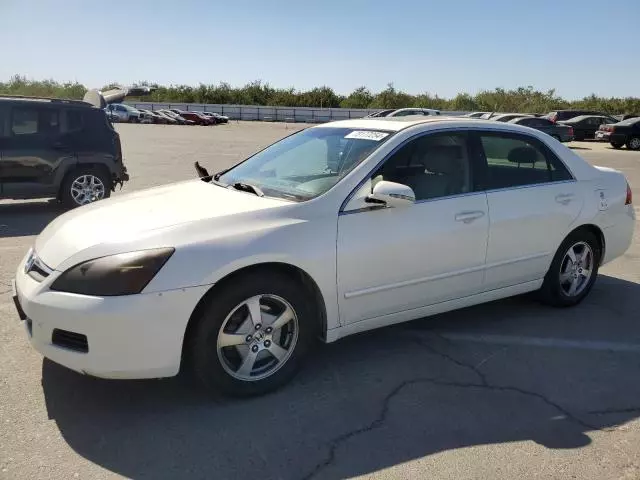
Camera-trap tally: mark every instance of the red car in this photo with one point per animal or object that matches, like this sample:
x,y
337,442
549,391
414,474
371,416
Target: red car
x,y
193,116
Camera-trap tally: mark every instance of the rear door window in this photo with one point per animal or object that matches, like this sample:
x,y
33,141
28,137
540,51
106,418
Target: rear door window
x,y
514,160
34,120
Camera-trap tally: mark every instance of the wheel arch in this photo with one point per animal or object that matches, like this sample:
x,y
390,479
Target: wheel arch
x,y
596,231
292,271
82,165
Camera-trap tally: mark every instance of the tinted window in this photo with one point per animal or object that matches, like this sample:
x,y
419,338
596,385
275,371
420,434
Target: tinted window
x,y
514,160
433,166
74,120
528,122
33,120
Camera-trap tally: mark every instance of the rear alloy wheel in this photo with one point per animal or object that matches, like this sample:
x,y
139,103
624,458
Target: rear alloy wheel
x,y
573,271
251,337
634,143
84,186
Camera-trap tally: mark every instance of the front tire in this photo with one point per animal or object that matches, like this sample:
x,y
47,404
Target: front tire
x,y
573,270
252,335
83,186
617,146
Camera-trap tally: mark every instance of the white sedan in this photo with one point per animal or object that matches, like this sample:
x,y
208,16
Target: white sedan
x,y
337,229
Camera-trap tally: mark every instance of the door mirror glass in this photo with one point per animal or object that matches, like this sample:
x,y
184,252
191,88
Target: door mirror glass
x,y
391,194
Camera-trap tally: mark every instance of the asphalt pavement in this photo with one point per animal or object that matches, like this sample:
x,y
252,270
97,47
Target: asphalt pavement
x,y
510,389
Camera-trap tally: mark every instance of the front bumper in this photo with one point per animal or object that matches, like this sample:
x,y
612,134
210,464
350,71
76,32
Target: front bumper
x,y
134,336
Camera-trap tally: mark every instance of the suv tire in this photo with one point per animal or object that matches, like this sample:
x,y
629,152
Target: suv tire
x,y
84,185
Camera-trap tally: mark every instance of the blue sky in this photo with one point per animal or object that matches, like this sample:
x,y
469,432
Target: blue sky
x,y
578,47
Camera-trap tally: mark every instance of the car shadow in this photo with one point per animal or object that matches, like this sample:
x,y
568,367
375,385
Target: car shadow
x,y
370,401
28,218
580,148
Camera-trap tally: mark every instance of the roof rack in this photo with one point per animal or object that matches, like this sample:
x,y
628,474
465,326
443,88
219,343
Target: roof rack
x,y
44,99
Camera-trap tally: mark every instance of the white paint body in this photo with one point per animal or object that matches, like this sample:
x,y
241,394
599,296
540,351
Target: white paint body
x,y
372,267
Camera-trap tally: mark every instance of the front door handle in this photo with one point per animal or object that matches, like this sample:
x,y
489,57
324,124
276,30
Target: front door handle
x,y
564,198
468,217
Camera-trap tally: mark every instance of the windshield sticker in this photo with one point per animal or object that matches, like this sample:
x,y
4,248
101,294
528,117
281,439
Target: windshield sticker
x,y
367,135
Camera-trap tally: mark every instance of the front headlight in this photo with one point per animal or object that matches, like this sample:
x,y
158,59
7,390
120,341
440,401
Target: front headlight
x,y
122,274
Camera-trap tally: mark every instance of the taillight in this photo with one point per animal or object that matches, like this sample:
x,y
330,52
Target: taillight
x,y
571,131
629,198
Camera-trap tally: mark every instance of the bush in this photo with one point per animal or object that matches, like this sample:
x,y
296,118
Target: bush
x,y
522,99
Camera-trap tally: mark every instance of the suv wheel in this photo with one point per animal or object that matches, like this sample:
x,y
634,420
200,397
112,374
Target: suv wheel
x,y
84,186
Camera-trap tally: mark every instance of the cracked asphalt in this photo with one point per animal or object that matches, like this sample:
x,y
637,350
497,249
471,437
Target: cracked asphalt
x,y
510,389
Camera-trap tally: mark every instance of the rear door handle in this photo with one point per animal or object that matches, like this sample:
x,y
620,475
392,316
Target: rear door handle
x,y
468,217
564,198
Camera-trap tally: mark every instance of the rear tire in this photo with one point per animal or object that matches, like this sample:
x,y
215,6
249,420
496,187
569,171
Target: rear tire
x,y
83,186
256,359
569,281
634,143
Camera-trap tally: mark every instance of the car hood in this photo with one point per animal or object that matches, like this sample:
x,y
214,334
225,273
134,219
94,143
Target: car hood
x,y
125,218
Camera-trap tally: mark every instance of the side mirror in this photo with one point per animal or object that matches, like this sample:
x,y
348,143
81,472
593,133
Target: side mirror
x,y
391,194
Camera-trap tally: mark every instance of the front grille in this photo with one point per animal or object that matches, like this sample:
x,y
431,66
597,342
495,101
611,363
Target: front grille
x,y
71,340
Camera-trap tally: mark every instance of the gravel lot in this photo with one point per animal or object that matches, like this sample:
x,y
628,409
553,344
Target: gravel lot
x,y
506,390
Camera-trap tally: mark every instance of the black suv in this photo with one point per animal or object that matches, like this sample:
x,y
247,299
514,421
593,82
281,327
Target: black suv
x,y
66,149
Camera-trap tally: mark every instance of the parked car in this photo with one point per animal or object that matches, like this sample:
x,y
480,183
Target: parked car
x,y
622,133
64,149
181,120
626,116
125,113
111,116
561,115
238,273
193,116
221,118
152,117
476,114
507,117
146,116
168,119
560,132
585,126
212,117
380,113
404,112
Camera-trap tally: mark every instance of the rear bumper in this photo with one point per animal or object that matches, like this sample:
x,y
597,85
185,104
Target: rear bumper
x,y
618,138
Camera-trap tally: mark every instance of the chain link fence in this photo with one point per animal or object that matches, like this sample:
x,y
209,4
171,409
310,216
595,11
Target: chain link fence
x,y
270,114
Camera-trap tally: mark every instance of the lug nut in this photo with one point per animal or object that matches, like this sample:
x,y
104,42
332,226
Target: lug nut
x,y
268,330
258,326
267,343
249,338
254,349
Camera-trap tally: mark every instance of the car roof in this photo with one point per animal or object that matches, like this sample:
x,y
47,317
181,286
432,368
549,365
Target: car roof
x,y
395,124
45,100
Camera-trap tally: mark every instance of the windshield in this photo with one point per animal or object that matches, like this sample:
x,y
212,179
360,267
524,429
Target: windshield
x,y
306,164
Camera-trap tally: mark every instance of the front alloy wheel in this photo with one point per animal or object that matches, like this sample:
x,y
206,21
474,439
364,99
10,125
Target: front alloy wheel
x,y
252,333
257,337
